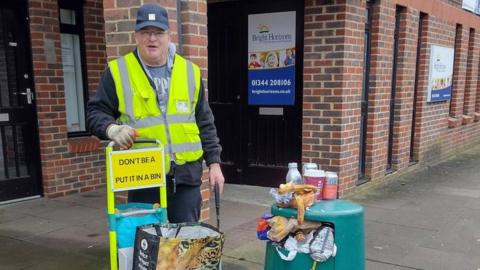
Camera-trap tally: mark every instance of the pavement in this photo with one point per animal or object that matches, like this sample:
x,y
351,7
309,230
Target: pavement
x,y
426,219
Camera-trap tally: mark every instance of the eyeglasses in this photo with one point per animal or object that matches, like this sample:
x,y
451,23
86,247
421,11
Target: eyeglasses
x,y
149,33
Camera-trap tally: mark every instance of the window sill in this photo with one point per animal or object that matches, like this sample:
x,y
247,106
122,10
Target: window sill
x,y
454,122
476,116
466,119
83,144
362,179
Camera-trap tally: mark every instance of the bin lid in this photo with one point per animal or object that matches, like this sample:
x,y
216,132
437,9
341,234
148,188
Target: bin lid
x,y
325,210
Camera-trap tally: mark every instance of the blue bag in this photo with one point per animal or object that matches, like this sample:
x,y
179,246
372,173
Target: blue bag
x,y
132,215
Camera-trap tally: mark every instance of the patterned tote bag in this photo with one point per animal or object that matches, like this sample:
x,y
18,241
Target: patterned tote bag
x,y
183,246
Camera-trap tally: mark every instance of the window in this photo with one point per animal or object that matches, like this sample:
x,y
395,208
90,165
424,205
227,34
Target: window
x,y
398,12
469,97
74,73
455,95
422,27
362,178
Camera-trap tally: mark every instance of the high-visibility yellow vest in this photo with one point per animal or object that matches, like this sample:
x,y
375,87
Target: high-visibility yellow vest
x,y
177,130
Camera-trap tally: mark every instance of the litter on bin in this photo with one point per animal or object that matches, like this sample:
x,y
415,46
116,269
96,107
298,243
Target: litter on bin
x,y
323,247
263,227
293,246
303,197
290,236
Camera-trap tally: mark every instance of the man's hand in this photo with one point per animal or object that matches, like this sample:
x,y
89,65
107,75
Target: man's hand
x,y
216,176
122,135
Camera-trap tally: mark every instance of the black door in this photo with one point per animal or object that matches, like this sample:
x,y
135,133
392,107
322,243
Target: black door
x,y
19,157
258,140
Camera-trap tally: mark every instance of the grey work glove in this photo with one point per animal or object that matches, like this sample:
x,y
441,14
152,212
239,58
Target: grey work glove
x,y
122,135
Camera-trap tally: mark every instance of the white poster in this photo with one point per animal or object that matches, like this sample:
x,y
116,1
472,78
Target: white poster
x,y
440,73
470,5
271,58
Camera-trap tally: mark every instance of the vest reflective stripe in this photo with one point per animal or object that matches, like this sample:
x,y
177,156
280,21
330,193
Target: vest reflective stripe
x,y
127,90
158,120
186,147
191,83
139,108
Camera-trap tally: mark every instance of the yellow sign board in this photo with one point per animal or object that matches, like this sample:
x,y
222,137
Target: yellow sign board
x,y
136,169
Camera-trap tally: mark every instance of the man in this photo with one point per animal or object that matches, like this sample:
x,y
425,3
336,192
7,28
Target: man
x,y
153,92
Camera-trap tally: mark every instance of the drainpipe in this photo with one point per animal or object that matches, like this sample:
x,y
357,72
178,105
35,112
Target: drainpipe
x,y
179,26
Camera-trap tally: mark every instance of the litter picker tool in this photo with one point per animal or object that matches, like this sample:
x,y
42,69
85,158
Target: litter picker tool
x,y
217,211
217,204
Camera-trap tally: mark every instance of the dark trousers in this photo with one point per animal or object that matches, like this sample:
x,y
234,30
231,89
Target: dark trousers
x,y
183,204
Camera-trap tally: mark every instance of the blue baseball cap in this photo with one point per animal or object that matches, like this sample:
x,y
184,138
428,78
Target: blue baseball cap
x,y
152,15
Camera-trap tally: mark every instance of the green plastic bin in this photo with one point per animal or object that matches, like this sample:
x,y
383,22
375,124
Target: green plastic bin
x,y
347,220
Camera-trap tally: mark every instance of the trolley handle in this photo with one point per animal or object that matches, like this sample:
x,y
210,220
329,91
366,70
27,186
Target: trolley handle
x,y
146,140
138,212
138,141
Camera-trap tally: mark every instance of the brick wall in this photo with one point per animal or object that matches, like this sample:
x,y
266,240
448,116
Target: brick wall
x,y
455,3
333,62
333,57
459,75
436,134
380,88
477,103
68,165
471,77
432,118
194,34
405,84
119,25
94,42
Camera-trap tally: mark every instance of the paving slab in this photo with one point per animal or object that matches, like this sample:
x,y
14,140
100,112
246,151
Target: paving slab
x,y
429,213
235,264
29,226
37,206
233,213
428,219
8,215
93,199
77,239
390,242
16,254
373,213
462,237
376,265
434,259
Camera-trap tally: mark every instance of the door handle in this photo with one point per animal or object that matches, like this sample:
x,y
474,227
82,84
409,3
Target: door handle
x,y
28,93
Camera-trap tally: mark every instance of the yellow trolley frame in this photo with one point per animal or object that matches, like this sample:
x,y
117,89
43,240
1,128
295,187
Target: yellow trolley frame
x,y
112,216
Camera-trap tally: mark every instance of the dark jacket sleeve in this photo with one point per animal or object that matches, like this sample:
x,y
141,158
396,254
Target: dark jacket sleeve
x,y
208,131
102,109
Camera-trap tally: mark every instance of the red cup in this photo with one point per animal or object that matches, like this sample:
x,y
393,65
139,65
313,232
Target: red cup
x,y
315,178
330,187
